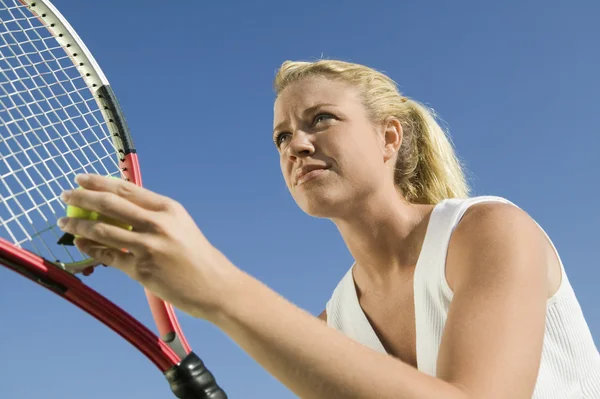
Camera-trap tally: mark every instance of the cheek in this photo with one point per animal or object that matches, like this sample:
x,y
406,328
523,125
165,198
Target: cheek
x,y
362,155
285,168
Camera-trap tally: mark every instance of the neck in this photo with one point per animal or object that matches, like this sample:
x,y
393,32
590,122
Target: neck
x,y
384,234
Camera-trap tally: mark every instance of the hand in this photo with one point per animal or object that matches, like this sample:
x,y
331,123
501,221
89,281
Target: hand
x,y
165,251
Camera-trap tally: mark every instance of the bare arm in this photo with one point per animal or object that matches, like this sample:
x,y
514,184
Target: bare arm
x,y
497,266
490,349
313,360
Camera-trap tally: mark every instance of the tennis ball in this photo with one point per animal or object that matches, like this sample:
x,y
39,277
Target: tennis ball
x,y
80,213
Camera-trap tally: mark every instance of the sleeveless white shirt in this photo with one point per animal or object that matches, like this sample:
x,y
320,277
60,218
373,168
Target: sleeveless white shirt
x,y
570,364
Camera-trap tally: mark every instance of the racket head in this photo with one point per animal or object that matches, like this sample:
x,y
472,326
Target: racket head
x,y
59,117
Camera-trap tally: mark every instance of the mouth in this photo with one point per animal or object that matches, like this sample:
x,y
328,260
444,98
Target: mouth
x,y
309,173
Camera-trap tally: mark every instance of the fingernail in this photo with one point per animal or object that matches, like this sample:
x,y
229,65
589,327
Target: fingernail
x,y
66,195
62,222
81,179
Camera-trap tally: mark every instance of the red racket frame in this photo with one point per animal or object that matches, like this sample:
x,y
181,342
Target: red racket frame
x,y
71,288
184,370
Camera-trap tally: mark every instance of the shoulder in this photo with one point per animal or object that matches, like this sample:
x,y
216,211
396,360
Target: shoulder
x,y
495,221
492,215
496,240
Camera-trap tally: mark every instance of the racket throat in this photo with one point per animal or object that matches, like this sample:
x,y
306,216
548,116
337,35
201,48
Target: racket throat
x,y
172,339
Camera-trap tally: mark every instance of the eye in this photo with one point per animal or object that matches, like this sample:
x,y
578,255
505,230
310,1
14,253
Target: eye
x,y
321,117
280,138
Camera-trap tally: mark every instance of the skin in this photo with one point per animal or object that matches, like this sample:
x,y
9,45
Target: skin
x,y
500,266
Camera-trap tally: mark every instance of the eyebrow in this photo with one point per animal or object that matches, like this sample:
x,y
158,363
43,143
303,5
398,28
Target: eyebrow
x,y
308,110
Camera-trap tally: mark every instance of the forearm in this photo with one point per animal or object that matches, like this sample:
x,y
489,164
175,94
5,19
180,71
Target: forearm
x,y
313,360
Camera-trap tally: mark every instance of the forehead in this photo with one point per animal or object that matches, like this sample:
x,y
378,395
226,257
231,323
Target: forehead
x,y
312,91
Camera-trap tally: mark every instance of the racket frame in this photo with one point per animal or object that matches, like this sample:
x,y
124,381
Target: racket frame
x,y
171,353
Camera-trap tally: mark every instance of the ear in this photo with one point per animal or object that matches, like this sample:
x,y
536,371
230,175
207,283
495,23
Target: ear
x,y
392,138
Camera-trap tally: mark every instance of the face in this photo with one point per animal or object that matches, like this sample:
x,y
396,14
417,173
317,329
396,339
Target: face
x,y
332,156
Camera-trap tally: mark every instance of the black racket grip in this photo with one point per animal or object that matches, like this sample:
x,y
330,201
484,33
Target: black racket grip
x,y
190,379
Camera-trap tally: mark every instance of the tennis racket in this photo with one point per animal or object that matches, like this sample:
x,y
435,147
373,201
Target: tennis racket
x,y
60,117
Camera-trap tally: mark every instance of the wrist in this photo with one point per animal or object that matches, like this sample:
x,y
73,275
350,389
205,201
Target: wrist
x,y
229,286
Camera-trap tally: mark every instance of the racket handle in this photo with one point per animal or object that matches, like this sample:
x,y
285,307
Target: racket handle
x,y
190,379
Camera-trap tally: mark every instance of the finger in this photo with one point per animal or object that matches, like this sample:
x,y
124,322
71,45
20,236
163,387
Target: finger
x,y
107,256
109,205
138,195
102,233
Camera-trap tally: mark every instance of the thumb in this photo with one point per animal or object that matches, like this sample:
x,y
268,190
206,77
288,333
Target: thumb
x,y
112,257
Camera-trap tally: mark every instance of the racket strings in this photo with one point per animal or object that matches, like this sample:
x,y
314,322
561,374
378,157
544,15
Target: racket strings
x,y
51,128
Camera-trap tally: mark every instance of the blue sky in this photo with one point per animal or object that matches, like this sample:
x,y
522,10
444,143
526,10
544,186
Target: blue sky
x,y
516,82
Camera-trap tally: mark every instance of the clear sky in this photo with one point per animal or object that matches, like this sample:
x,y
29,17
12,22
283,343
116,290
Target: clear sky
x,y
516,82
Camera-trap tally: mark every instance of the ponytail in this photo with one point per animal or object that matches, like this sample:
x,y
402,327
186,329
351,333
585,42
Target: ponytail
x,y
427,169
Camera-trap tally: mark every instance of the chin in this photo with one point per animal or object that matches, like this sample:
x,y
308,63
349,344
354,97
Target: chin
x,y
320,202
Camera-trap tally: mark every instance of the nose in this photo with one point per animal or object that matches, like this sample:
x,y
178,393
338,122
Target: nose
x,y
300,146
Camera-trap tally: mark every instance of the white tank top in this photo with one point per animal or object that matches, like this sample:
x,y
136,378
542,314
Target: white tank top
x,y
570,365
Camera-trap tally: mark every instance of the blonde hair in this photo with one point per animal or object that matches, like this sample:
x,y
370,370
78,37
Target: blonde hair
x,y
427,169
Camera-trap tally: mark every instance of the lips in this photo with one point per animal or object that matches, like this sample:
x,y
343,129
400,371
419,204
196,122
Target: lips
x,y
307,172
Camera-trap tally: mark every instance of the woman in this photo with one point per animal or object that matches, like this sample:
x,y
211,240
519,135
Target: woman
x,y
449,296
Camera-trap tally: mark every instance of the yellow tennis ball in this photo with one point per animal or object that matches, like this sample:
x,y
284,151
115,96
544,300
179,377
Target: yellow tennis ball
x,y
80,213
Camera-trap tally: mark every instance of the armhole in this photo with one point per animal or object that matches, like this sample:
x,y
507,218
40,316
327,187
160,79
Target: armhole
x,y
323,315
